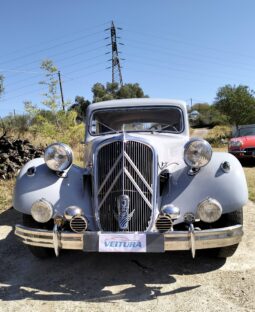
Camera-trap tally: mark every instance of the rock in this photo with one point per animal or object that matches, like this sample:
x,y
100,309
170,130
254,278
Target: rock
x,y
14,154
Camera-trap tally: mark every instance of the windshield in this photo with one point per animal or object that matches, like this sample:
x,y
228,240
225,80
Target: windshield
x,y
143,119
246,131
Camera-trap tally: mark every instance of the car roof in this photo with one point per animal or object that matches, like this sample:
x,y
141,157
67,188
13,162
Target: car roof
x,y
135,103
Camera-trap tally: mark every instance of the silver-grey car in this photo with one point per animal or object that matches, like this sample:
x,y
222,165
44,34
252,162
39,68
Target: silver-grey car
x,y
146,187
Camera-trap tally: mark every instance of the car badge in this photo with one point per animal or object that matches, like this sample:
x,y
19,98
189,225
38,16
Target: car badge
x,y
123,217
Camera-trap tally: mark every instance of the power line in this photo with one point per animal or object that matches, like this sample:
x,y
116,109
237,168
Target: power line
x,y
49,48
41,74
166,66
38,90
60,37
61,53
188,43
165,50
18,71
159,62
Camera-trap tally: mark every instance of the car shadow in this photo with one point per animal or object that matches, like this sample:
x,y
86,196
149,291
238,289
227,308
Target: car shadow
x,y
92,277
248,163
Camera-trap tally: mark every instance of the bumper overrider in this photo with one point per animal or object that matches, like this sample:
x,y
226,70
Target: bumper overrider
x,y
131,242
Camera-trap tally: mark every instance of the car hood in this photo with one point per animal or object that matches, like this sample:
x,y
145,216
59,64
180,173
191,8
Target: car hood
x,y
169,148
248,141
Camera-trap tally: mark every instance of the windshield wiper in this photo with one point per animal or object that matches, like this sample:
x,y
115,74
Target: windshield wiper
x,y
165,127
103,124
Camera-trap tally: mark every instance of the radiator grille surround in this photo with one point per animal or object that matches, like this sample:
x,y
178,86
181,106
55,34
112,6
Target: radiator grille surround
x,y
124,167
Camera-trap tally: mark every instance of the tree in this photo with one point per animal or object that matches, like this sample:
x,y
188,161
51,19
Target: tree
x,y
80,106
208,116
51,97
114,91
237,103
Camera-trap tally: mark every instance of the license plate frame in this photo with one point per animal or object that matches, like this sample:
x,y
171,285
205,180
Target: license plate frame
x,y
122,242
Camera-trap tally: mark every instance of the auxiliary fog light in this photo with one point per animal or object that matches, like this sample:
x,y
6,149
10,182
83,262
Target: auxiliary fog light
x,y
42,210
209,210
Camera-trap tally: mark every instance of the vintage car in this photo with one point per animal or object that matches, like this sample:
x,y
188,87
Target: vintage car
x,y
242,145
145,187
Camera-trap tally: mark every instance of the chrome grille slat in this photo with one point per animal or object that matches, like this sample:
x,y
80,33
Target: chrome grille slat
x,y
124,168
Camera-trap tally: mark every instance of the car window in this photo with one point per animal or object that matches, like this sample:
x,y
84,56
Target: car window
x,y
141,119
246,131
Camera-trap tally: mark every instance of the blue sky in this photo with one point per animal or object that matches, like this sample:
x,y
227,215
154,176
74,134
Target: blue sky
x,y
174,49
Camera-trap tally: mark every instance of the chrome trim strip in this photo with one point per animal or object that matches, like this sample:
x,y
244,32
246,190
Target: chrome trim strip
x,y
138,188
109,190
44,238
56,240
175,240
204,239
138,172
192,240
109,173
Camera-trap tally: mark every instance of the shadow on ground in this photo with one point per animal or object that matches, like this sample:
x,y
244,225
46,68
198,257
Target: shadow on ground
x,y
248,163
78,276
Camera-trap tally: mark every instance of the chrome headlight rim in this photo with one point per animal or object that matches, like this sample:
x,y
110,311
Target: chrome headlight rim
x,y
206,216
207,147
69,155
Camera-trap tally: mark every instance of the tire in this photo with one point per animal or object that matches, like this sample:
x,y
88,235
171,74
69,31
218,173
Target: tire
x,y
229,219
38,252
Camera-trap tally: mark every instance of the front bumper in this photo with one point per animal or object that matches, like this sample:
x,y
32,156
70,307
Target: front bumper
x,y
243,153
175,240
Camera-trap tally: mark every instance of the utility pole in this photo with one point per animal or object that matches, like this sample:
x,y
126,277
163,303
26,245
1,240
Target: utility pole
x,y
116,68
191,104
61,91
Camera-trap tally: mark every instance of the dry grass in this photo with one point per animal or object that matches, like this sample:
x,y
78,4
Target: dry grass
x,y
250,177
6,192
220,131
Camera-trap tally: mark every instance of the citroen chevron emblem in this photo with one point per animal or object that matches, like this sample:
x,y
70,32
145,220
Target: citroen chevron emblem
x,y
123,216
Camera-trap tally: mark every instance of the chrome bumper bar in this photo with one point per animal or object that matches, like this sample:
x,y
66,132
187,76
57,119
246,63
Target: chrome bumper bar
x,y
175,240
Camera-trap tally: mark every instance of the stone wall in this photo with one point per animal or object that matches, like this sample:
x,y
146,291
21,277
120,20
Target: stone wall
x,y
14,154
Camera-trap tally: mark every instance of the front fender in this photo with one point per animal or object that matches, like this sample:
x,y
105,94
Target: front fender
x,y
60,192
230,189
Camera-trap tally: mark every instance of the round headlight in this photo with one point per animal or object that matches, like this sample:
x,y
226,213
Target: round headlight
x,y
197,153
209,210
42,210
58,156
235,143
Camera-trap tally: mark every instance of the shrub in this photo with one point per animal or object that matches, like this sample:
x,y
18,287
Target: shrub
x,y
219,135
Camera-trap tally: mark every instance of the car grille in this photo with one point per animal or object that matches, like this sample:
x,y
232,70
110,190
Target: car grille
x,y
249,151
124,169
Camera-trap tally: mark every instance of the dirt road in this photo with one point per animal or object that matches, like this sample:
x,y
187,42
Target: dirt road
x,y
127,282
200,132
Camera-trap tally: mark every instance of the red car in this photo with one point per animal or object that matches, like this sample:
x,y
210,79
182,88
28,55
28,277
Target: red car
x,y
242,145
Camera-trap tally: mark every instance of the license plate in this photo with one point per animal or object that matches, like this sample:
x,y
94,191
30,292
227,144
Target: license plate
x,y
130,242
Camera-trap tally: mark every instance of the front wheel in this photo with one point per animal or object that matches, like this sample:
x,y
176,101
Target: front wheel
x,y
229,219
38,252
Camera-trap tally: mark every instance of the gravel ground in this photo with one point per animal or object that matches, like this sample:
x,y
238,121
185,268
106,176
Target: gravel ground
x,y
109,282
